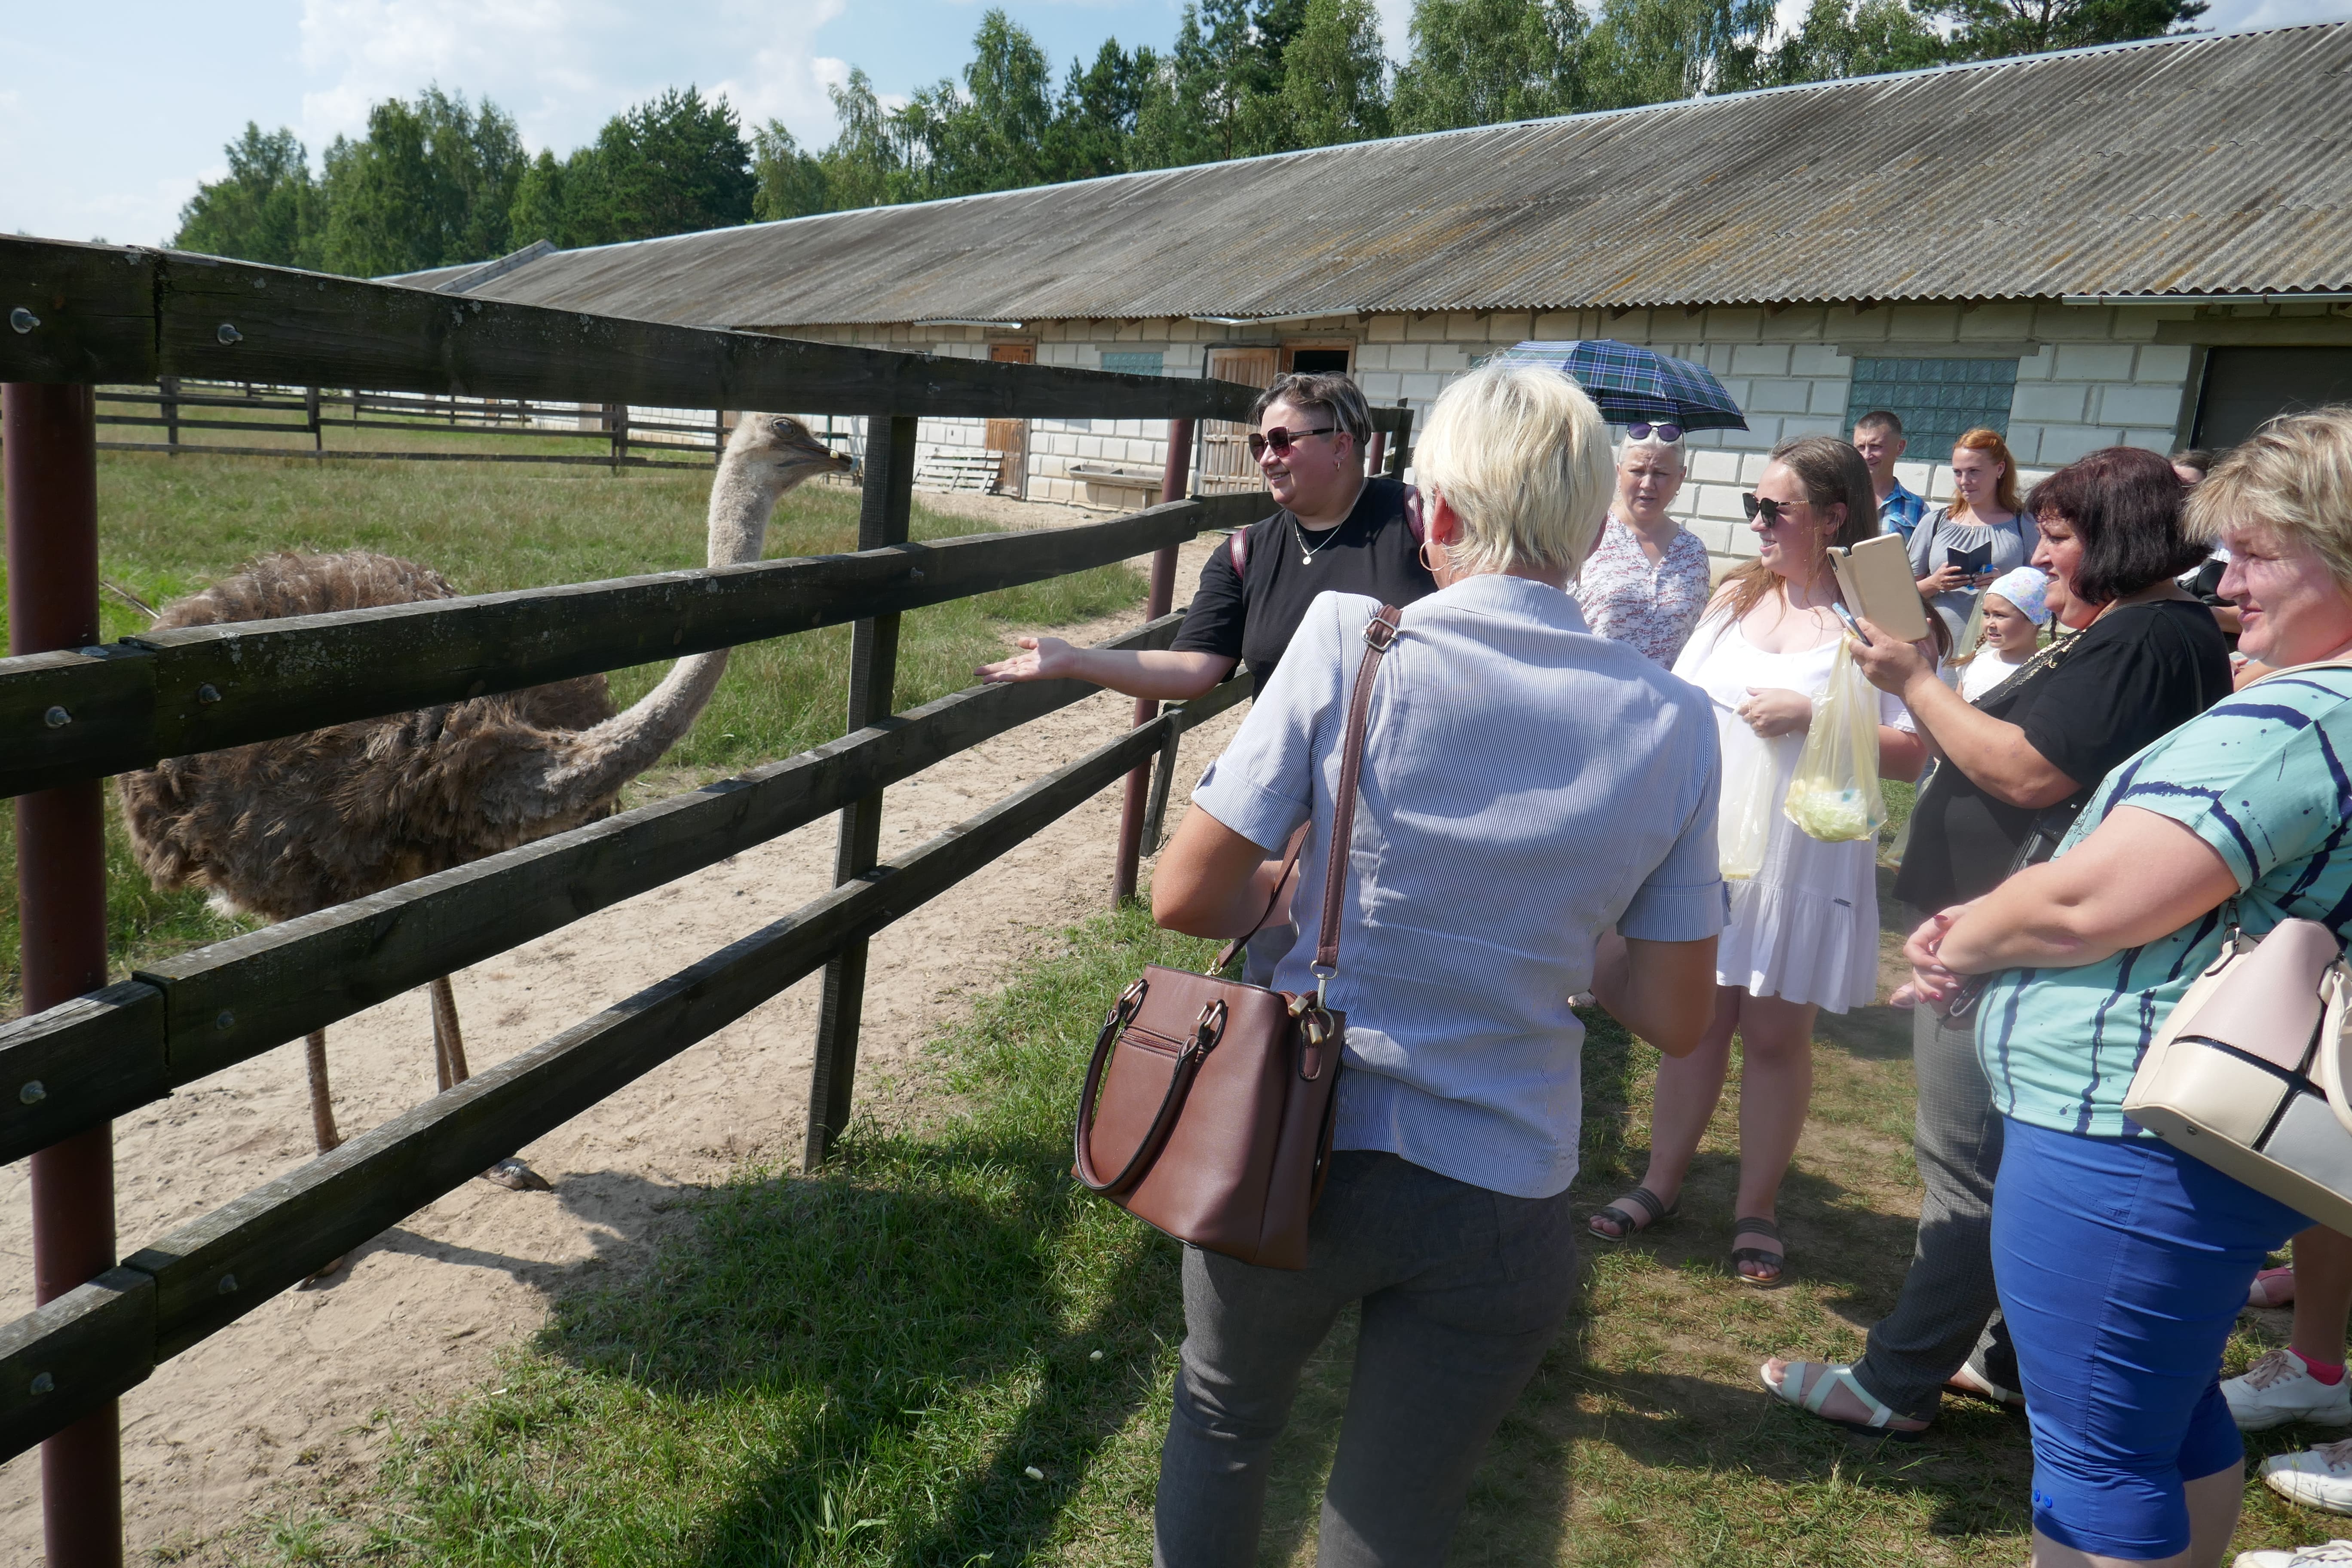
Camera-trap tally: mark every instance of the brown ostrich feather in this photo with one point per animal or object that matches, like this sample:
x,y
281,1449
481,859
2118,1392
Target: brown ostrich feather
x,y
282,827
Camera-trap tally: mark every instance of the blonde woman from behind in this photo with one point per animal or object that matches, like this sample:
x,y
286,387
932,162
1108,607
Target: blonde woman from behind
x,y
1536,818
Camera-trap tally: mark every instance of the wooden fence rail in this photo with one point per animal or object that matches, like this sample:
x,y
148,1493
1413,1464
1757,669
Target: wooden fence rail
x,y
99,711
107,315
91,1344
104,1054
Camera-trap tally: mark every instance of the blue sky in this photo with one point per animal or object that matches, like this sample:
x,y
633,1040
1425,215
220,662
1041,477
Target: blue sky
x,y
109,117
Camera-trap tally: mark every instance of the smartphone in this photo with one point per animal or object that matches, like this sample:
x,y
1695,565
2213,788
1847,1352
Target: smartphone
x,y
1851,624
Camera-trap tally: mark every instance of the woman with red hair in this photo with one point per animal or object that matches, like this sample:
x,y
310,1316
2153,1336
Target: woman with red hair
x,y
1958,549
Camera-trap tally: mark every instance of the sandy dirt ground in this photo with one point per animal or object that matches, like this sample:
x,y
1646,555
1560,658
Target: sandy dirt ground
x,y
268,1411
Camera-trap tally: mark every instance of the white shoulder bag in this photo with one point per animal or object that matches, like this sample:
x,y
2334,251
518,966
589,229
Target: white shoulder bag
x,y
2248,1073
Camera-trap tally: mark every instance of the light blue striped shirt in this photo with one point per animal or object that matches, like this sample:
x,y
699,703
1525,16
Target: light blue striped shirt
x,y
1526,786
2266,778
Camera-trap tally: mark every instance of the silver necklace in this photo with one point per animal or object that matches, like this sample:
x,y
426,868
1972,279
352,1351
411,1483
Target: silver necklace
x,y
1305,554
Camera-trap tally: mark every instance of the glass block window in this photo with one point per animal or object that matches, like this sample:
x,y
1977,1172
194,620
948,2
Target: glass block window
x,y
1133,362
1936,399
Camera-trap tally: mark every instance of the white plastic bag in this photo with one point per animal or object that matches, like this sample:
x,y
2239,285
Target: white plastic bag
x,y
1743,822
1834,795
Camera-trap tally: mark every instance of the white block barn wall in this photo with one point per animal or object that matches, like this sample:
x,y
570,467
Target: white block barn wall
x,y
2086,377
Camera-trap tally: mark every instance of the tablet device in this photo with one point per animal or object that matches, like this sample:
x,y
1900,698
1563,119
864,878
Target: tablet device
x,y
1876,578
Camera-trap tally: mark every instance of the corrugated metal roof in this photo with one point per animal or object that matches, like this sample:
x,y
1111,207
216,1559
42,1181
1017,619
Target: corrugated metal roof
x,y
2213,163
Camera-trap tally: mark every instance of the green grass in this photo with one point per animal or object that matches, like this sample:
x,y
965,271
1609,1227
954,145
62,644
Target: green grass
x,y
168,526
863,1367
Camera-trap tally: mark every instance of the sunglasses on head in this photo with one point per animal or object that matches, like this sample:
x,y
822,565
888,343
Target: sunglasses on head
x,y
1282,440
1665,435
1771,512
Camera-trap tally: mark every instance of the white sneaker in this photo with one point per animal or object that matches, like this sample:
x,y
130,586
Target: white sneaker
x,y
2317,1477
2279,1388
2338,1552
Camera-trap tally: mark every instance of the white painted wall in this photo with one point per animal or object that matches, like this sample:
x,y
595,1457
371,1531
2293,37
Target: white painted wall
x,y
2086,377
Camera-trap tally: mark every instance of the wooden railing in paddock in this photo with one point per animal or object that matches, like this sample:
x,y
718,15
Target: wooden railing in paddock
x,y
84,316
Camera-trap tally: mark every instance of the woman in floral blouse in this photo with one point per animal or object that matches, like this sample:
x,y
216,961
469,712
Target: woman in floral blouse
x,y
1646,582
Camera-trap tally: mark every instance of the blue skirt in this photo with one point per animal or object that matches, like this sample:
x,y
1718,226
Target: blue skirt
x,y
2122,1266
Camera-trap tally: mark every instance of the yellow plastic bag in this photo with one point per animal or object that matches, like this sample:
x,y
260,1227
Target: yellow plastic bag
x,y
1834,797
1743,822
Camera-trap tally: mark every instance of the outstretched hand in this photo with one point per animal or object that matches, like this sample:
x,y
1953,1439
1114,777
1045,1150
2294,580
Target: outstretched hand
x,y
1040,658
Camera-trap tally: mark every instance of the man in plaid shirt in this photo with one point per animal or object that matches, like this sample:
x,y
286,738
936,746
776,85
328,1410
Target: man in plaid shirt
x,y
1878,437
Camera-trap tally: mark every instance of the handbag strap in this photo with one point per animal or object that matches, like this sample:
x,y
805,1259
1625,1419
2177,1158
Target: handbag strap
x,y
1380,635
1343,811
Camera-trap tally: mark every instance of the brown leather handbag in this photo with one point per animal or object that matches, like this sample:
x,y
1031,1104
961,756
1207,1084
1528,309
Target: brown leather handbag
x,y
1209,1100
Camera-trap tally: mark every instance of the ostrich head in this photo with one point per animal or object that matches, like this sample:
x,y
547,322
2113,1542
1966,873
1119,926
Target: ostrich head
x,y
767,456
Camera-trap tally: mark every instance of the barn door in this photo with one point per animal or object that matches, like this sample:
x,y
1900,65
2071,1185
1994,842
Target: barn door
x,y
1008,439
1226,466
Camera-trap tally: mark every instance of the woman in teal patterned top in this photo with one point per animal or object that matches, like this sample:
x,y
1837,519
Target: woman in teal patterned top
x,y
2121,1262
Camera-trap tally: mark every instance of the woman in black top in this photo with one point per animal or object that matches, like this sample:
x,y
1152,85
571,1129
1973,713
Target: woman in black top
x,y
1337,530
2017,765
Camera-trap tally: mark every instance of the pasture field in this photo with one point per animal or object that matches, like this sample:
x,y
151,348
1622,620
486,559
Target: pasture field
x,y
168,526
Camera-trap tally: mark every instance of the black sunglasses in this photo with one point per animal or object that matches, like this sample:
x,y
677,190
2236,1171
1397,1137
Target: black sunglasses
x,y
1281,440
1771,512
1669,434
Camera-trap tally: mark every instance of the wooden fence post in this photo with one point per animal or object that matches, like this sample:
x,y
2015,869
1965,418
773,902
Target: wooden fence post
x,y
51,476
882,521
318,425
1132,809
170,387
1401,449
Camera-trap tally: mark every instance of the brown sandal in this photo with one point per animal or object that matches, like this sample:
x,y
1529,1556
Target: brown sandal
x,y
1763,1257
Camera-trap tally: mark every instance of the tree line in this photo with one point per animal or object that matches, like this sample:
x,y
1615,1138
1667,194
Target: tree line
x,y
438,181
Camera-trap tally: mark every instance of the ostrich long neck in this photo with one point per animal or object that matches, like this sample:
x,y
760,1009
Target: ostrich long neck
x,y
626,744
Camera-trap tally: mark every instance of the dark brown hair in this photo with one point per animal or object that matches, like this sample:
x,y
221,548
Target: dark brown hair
x,y
1332,391
2127,506
1885,419
1832,471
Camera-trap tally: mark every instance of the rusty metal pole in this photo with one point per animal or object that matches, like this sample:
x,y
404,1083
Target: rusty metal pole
x,y
49,436
1174,478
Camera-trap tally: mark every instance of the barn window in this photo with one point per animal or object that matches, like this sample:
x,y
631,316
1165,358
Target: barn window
x,y
1134,361
1936,399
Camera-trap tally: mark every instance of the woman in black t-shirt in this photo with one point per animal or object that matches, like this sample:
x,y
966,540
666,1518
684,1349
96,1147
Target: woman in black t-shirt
x,y
1337,532
2145,658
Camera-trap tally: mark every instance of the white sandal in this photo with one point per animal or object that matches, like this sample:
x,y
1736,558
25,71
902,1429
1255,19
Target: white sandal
x,y
1808,1385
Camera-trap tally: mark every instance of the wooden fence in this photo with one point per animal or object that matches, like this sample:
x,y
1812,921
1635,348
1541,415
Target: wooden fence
x,y
86,316
172,405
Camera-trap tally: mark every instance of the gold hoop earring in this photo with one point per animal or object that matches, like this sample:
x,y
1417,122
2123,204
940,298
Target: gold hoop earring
x,y
1421,555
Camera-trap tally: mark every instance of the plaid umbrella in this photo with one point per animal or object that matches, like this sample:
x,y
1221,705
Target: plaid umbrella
x,y
1632,384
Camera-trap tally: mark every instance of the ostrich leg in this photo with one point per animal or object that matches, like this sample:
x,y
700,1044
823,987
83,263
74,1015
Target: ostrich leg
x,y
322,1102
450,1057
322,1111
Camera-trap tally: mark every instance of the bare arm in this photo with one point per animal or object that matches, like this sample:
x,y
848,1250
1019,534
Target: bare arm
x,y
1154,673
2138,877
1663,990
1993,753
1211,881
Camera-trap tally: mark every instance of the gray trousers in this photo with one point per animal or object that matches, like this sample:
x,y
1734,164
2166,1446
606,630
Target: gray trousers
x,y
1947,1311
1463,1290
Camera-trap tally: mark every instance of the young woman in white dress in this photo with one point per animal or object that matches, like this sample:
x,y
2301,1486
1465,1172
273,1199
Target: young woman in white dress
x,y
1805,928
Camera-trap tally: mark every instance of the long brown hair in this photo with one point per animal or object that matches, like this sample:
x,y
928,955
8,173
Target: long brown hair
x,y
2004,489
1831,471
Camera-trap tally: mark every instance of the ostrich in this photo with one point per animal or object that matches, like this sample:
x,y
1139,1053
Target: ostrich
x,y
282,827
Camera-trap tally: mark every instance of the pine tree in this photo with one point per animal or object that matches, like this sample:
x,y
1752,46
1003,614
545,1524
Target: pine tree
x,y
266,210
1482,62
1333,86
1094,122
672,166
